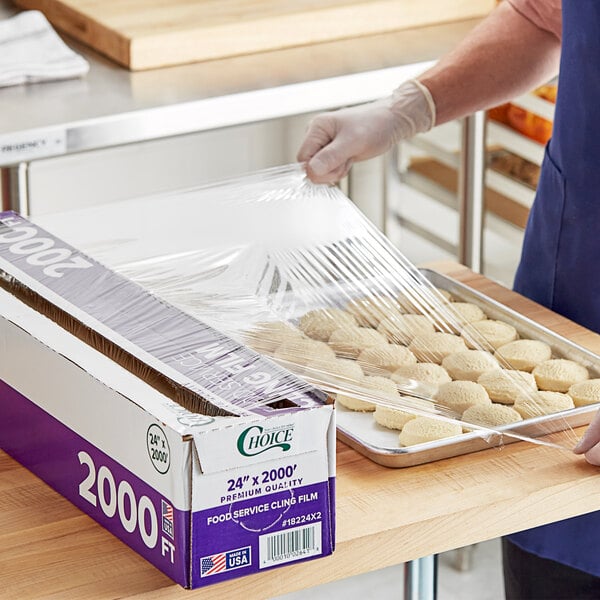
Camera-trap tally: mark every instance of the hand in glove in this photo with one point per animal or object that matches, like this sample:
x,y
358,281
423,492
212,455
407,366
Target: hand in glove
x,y
337,139
590,442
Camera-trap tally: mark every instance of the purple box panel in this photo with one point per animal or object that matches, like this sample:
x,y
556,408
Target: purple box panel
x,y
112,495
260,533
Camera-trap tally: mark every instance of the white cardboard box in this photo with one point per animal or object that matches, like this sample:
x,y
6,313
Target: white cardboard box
x,y
204,499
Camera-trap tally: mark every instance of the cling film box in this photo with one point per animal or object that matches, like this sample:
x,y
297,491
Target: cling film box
x,y
205,497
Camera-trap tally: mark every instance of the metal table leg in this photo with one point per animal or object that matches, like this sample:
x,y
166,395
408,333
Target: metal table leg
x,y
471,191
420,579
420,576
392,182
464,558
15,188
371,184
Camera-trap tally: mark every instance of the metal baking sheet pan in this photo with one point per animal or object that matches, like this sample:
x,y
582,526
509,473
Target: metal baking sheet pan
x,y
361,432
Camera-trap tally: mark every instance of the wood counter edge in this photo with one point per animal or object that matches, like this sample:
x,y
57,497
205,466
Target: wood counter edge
x,y
516,301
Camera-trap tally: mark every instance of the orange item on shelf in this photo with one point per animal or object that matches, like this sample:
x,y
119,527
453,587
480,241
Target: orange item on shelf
x,y
529,124
499,113
547,92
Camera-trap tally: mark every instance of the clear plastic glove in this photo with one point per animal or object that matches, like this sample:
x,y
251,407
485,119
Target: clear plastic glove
x,y
589,444
337,139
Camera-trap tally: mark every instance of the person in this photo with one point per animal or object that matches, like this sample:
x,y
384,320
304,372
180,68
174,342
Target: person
x,y
519,46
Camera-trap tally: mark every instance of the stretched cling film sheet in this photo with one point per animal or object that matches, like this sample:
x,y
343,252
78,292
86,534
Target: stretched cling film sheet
x,y
296,272
196,365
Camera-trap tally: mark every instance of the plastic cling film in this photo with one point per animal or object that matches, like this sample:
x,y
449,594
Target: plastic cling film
x,y
184,358
295,271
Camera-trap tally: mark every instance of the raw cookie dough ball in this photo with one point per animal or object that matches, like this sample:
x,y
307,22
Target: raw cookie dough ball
x,y
303,350
460,395
350,341
469,312
337,370
370,311
543,403
507,386
319,324
267,337
524,355
381,360
401,329
585,392
423,429
469,365
353,403
384,387
423,372
392,418
446,296
491,415
434,347
405,302
378,387
495,333
421,297
559,374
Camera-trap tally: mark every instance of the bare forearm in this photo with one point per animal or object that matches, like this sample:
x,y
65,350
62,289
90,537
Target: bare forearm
x,y
503,57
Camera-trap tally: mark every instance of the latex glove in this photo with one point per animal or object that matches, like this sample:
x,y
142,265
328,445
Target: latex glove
x,y
335,140
590,442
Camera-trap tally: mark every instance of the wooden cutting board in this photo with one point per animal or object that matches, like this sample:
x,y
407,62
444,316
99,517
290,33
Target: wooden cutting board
x,y
145,34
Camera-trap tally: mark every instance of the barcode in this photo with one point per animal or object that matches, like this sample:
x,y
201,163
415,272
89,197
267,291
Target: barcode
x,y
291,544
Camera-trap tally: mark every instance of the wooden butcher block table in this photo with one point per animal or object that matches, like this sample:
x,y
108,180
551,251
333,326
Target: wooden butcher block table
x,y
49,549
145,34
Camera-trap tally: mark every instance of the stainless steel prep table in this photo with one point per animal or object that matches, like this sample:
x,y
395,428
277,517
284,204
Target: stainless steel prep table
x,y
111,106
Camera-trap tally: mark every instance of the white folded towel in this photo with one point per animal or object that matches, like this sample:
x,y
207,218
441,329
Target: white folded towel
x,y
31,51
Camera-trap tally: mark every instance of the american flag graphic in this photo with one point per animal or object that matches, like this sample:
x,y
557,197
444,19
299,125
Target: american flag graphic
x,y
168,525
210,565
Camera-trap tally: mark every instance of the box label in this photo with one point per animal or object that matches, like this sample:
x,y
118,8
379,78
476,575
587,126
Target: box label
x,y
276,528
289,545
260,441
225,561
